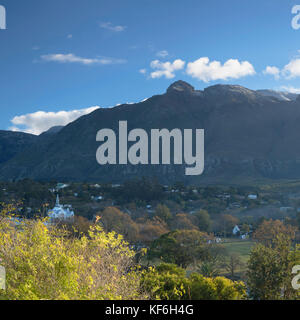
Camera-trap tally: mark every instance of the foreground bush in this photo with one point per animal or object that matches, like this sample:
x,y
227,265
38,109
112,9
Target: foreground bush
x,y
43,262
169,282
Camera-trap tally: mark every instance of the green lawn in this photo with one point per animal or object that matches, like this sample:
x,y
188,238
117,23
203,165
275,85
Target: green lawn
x,y
242,248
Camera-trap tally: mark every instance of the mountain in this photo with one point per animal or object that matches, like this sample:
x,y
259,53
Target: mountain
x,y
52,130
248,136
12,143
280,95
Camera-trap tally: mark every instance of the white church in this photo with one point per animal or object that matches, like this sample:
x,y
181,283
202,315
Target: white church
x,y
61,212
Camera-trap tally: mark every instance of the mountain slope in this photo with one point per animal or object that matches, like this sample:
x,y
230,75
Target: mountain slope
x,y
280,95
12,143
248,135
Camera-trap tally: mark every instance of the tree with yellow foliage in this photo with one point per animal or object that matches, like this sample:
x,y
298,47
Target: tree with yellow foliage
x,y
43,262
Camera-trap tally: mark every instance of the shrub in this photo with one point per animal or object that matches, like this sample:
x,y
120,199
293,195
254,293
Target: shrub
x,y
44,262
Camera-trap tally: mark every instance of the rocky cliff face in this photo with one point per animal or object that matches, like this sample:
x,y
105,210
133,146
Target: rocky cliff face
x,y
248,135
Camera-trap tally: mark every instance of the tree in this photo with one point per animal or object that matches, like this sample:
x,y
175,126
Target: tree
x,y
113,219
212,261
169,282
203,220
165,282
269,270
44,263
150,230
181,247
233,264
143,189
225,224
268,231
265,277
245,228
183,221
78,227
229,222
219,288
298,220
163,212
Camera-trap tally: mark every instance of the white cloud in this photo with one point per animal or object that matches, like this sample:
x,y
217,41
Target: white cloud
x,y
69,36
274,71
71,58
162,54
41,121
166,69
292,69
143,71
111,27
206,71
291,89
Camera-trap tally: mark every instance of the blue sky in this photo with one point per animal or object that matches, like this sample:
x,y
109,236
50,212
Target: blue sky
x,y
70,55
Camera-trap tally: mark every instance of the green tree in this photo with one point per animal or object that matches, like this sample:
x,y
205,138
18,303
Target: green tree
x,y
213,261
265,274
219,288
163,212
233,263
181,247
203,220
165,282
269,270
169,282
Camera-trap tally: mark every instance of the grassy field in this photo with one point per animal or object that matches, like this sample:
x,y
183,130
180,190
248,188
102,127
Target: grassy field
x,y
233,246
242,248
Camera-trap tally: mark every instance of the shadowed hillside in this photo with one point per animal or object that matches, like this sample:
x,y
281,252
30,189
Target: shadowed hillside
x,y
248,135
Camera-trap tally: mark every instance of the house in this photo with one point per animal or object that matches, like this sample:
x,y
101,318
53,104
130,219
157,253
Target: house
x,y
235,205
60,186
236,230
252,197
286,209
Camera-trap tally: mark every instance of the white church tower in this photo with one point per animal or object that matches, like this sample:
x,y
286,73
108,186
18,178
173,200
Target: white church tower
x,y
61,212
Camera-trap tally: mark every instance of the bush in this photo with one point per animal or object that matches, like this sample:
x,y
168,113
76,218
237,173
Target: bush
x,y
43,263
169,282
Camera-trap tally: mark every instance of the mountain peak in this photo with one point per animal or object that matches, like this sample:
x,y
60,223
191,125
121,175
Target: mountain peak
x,y
221,88
230,91
180,86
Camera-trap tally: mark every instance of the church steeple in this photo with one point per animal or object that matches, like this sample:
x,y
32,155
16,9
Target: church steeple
x,y
57,201
60,211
